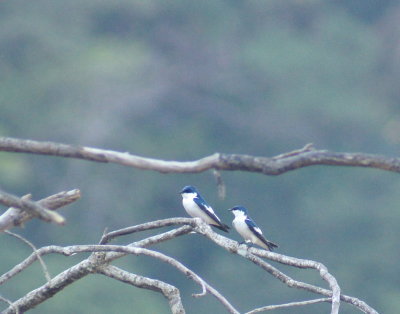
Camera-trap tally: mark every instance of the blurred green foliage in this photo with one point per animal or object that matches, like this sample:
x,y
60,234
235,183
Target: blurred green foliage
x,y
180,80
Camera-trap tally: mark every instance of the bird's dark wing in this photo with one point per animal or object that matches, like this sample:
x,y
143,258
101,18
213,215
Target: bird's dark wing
x,y
210,212
257,231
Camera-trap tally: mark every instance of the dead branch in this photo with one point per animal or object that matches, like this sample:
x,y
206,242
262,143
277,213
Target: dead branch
x,y
251,253
52,287
107,237
9,303
15,217
170,292
95,264
32,208
286,305
97,261
33,247
304,157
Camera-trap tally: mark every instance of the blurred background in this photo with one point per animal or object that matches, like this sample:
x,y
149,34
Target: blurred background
x,y
180,80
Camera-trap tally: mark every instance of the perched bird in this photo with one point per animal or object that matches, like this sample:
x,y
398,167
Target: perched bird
x,y
247,228
196,206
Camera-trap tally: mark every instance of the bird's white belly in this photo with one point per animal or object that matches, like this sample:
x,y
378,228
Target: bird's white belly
x,y
242,228
194,211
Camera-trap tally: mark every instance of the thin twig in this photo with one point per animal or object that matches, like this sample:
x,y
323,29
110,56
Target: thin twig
x,y
286,305
108,236
15,308
33,247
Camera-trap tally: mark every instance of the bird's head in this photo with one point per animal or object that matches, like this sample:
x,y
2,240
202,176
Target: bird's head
x,y
189,189
238,210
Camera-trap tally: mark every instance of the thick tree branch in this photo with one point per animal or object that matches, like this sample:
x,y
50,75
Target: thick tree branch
x,y
55,285
307,156
15,217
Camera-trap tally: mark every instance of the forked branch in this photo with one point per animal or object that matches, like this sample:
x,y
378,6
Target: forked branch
x,y
99,263
19,214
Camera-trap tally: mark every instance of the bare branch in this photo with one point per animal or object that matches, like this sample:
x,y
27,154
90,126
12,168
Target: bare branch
x,y
42,263
32,208
233,247
55,285
304,157
286,305
179,266
170,292
91,265
114,252
166,259
107,237
249,253
298,284
301,263
15,217
110,257
100,155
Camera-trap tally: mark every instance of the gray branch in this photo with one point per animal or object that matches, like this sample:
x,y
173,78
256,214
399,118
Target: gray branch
x,y
300,263
15,216
98,261
52,287
251,253
170,292
10,303
31,208
33,247
95,264
304,157
286,305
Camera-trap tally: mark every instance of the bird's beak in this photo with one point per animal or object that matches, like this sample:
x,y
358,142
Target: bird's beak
x,y
230,209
